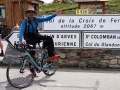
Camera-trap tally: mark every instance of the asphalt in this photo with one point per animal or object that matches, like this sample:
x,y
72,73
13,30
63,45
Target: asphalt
x,y
69,79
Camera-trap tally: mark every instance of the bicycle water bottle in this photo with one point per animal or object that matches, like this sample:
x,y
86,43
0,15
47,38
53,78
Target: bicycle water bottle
x,y
39,59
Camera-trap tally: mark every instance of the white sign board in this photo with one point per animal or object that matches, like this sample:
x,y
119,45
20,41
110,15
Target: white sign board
x,y
83,22
65,40
101,40
62,40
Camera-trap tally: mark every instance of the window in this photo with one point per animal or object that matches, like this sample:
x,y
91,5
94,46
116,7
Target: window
x,y
2,11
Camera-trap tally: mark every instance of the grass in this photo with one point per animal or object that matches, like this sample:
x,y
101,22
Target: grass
x,y
48,9
113,3
58,5
113,7
71,7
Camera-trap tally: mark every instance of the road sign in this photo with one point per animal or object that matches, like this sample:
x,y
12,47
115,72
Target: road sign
x,y
61,40
83,23
99,40
81,11
12,37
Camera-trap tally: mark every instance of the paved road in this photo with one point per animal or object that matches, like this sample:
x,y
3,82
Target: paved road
x,y
66,79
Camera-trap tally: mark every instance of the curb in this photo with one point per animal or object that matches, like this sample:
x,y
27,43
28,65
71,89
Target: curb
x,y
2,64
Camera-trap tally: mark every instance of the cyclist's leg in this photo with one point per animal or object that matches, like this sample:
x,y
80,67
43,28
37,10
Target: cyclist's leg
x,y
1,47
51,50
32,53
50,42
1,44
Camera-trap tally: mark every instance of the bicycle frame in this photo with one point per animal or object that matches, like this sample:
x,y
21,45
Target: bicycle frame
x,y
33,61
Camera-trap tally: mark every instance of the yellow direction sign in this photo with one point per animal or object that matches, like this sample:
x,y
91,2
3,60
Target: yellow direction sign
x,y
81,11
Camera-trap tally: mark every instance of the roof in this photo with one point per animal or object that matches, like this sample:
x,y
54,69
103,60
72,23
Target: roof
x,y
36,1
41,1
90,0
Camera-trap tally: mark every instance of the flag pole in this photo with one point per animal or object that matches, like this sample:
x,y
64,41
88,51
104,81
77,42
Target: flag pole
x,y
20,9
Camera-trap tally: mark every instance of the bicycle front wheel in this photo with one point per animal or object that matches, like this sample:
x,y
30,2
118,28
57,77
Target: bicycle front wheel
x,y
49,66
18,72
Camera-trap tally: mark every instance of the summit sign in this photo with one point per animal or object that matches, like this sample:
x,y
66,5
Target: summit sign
x,y
83,22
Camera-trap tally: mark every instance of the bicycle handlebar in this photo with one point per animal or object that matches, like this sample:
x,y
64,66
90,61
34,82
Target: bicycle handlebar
x,y
20,46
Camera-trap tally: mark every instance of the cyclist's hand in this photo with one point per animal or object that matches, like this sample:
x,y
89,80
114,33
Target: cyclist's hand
x,y
17,42
19,45
58,12
20,42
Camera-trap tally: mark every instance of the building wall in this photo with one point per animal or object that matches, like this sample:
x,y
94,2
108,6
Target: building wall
x,y
12,11
8,13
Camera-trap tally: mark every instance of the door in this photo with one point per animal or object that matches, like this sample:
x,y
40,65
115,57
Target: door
x,y
17,14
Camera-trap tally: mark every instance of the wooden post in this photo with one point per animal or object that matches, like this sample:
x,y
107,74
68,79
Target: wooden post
x,y
79,5
103,8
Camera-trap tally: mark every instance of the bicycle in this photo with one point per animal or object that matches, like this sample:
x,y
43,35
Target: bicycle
x,y
21,66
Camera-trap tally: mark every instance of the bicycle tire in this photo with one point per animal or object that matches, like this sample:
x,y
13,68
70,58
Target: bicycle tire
x,y
49,71
15,67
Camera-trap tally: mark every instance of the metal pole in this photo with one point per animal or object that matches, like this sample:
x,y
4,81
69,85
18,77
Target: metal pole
x,y
20,9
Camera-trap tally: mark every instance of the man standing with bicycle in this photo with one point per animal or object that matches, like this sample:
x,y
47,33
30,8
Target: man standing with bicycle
x,y
29,30
1,44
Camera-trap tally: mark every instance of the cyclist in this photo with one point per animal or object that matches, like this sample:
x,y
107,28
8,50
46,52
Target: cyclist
x,y
1,44
31,35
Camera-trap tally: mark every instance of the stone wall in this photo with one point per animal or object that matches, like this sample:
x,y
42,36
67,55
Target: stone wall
x,y
94,58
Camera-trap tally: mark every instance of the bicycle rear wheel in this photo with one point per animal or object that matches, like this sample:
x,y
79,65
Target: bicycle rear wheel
x,y
50,66
17,76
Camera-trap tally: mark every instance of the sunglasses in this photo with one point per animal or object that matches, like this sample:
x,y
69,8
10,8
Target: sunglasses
x,y
31,11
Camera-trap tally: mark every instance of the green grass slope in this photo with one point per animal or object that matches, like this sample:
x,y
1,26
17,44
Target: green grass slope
x,y
112,7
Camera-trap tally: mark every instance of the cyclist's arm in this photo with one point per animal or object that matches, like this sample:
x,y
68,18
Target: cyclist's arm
x,y
22,29
42,19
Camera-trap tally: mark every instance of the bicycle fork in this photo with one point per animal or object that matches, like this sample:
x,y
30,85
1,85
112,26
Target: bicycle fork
x,y
23,66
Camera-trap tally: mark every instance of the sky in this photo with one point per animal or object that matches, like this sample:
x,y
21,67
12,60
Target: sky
x,y
47,1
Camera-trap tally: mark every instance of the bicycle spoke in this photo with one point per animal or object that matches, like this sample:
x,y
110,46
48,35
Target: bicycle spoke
x,y
17,77
50,66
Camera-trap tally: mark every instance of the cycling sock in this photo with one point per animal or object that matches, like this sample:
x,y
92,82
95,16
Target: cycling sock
x,y
1,51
